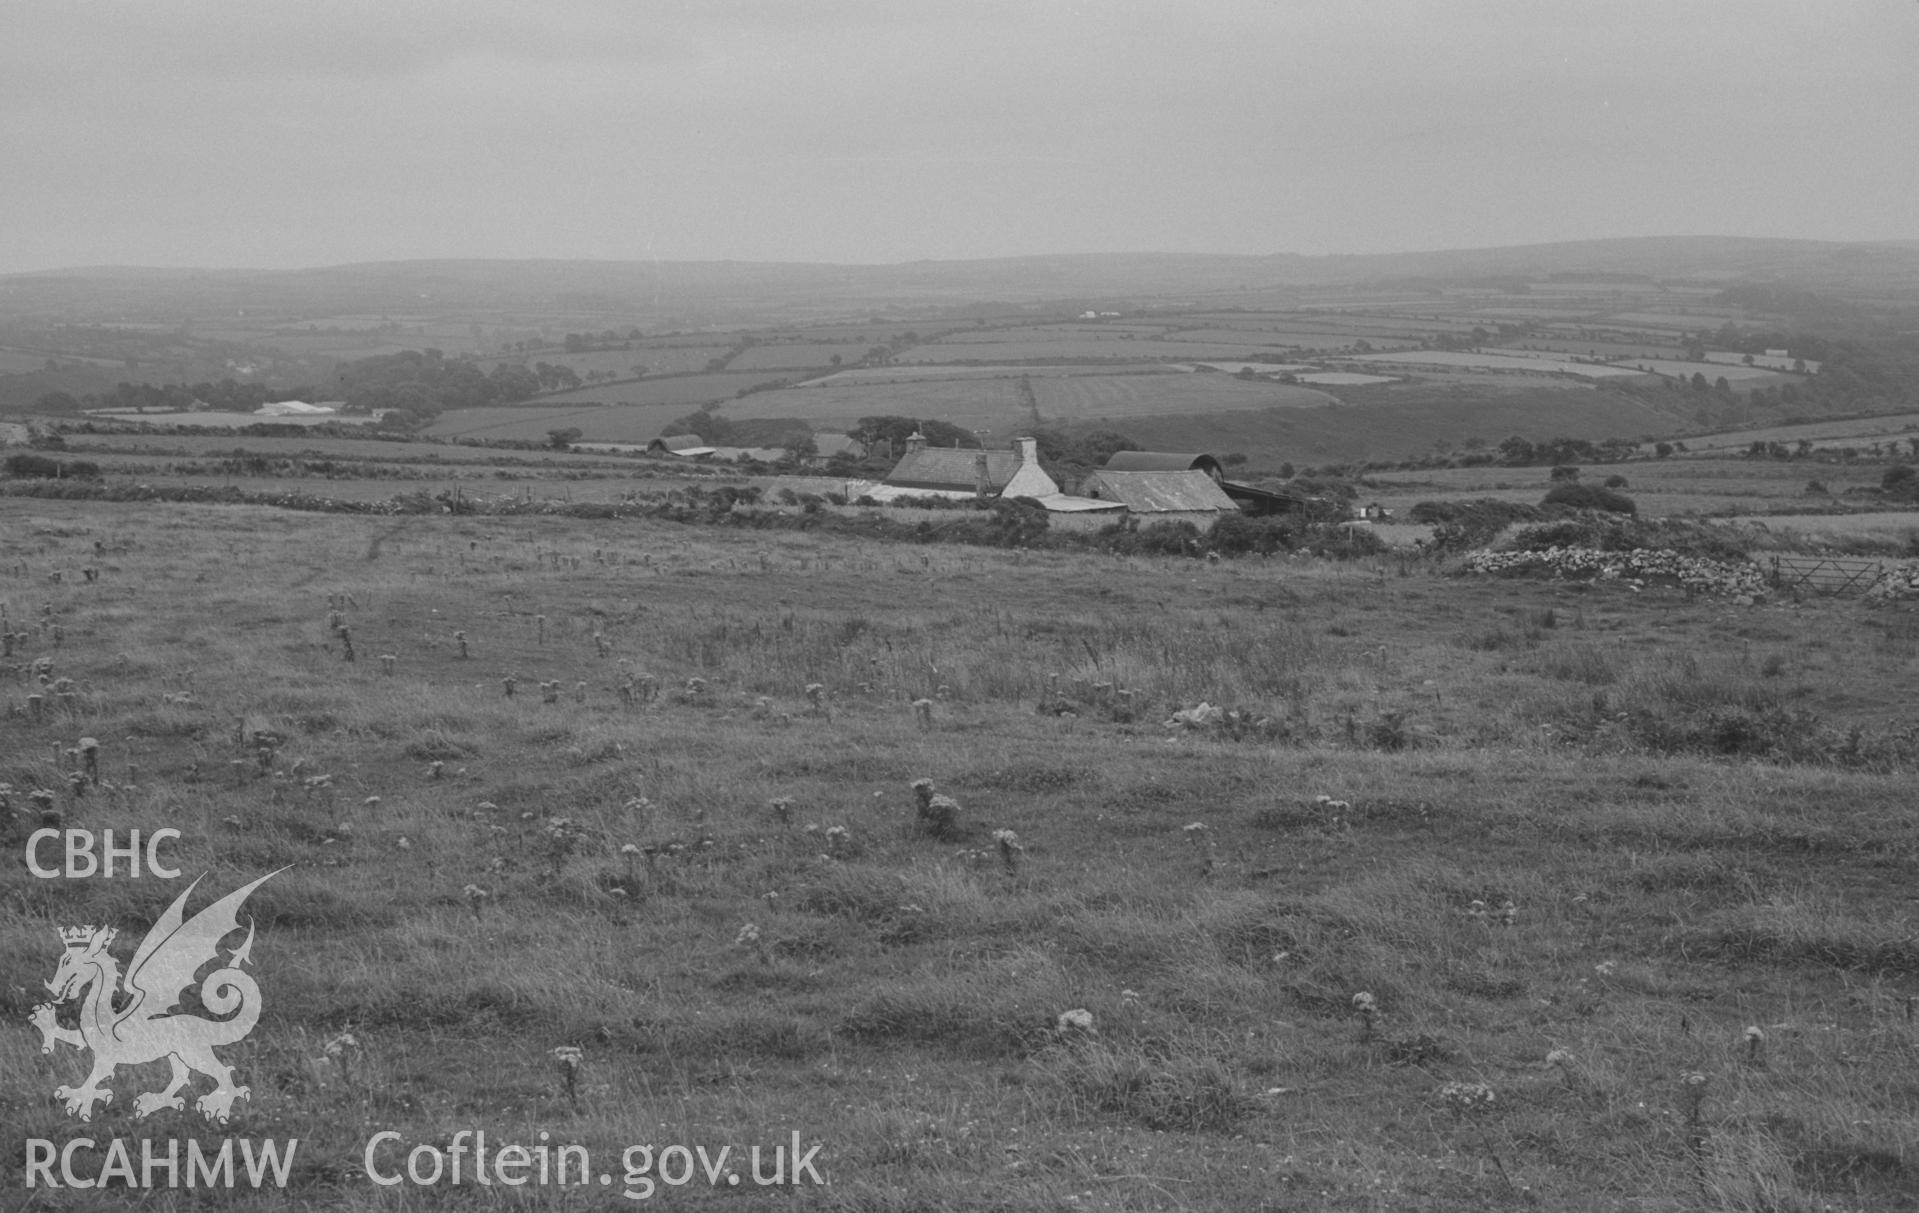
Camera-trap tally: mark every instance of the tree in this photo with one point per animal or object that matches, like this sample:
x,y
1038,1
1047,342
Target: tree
x,y
56,402
514,382
1590,497
561,440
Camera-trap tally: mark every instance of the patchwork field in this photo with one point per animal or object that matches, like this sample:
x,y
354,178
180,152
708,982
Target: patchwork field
x,y
1489,893
1515,361
531,423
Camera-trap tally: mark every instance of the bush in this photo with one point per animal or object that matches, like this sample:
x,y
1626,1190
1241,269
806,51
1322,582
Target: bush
x,y
51,469
1239,535
1460,525
1615,482
1589,497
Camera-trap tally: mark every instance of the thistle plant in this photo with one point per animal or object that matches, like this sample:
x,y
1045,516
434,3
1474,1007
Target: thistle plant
x,y
476,899
1009,850
839,841
1755,1038
1201,840
570,1058
1471,1102
749,937
340,1051
563,837
923,712
1562,1061
459,638
1692,1102
782,807
1367,1008
938,815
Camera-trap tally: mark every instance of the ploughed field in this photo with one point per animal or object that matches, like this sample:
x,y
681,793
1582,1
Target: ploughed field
x,y
1437,892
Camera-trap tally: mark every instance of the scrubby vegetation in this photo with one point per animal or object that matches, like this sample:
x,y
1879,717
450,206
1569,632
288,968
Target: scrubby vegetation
x,y
1300,883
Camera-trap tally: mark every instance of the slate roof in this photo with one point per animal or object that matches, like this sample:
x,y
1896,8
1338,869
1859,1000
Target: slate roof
x,y
953,468
1158,492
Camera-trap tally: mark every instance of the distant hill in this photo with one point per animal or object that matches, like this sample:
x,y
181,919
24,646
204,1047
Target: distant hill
x,y
768,292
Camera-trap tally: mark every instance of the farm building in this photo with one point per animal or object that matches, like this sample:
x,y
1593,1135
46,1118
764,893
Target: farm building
x,y
1164,461
958,472
1247,498
298,408
1185,495
962,475
679,444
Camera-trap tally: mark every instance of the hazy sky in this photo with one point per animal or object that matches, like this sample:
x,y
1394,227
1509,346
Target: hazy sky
x,y
262,133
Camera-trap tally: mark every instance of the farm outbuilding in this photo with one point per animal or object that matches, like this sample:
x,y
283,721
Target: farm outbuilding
x,y
1247,498
1186,495
1164,461
690,445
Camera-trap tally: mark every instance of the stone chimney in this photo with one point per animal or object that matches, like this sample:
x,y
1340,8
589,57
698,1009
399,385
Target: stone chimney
x,y
982,478
915,441
1028,449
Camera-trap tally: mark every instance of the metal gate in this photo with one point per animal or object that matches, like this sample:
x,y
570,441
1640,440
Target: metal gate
x,y
1826,574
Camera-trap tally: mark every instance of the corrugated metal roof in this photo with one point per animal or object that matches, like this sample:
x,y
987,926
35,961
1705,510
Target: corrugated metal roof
x,y
1158,492
1162,461
953,468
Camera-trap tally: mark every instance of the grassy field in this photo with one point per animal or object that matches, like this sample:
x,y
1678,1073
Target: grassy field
x,y
1490,894
681,390
1662,488
532,423
1401,421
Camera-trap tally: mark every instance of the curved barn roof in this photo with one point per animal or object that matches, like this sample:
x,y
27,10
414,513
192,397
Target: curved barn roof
x,y
1185,490
1163,461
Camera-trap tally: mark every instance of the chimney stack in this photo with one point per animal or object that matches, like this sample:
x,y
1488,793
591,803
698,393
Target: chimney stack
x,y
915,441
1028,449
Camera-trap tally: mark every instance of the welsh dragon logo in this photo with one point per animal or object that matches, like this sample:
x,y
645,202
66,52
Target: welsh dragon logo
x,y
138,1024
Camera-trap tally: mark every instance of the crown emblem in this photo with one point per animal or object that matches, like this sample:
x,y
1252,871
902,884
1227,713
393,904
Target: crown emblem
x,y
75,937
